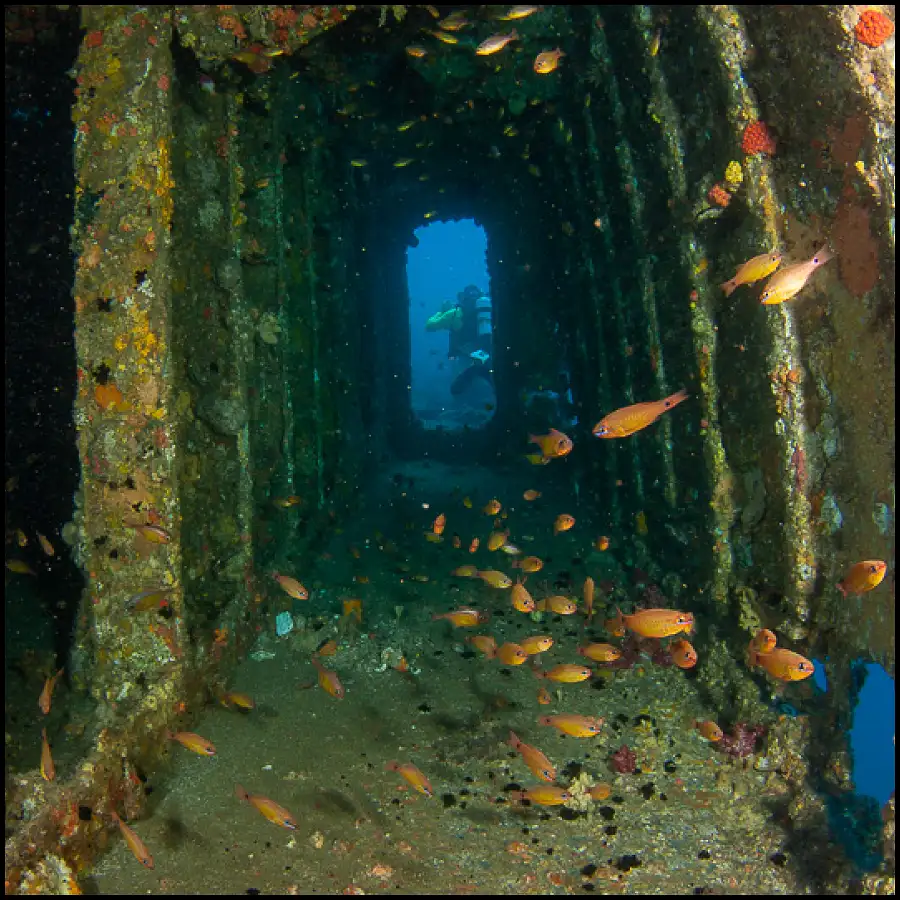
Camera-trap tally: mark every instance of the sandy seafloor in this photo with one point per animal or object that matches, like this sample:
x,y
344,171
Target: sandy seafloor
x,y
691,820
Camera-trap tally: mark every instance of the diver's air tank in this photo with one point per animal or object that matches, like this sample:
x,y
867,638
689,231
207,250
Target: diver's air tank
x,y
483,315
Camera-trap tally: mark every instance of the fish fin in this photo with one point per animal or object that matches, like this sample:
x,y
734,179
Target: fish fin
x,y
514,740
729,287
241,793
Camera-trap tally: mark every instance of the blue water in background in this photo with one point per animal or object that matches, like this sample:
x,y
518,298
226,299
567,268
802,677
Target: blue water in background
x,y
450,255
871,737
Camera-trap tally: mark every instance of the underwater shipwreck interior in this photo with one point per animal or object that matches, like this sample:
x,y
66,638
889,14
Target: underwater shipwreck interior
x,y
267,632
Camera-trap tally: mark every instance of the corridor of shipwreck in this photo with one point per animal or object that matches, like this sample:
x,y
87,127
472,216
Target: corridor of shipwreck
x,y
247,184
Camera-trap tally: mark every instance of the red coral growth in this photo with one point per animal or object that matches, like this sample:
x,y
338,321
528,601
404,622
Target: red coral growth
x,y
856,248
757,139
94,39
718,195
742,740
283,16
624,760
873,28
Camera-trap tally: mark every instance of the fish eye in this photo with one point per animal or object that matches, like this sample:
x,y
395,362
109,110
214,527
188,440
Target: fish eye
x,y
873,569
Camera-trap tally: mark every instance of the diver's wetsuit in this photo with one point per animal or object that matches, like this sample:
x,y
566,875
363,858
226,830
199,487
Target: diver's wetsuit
x,y
467,340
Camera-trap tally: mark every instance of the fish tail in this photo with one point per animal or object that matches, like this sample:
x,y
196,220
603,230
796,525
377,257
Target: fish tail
x,y
514,740
241,793
752,656
729,287
842,589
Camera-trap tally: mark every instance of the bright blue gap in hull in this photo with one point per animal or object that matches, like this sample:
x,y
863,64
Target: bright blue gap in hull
x,y
450,256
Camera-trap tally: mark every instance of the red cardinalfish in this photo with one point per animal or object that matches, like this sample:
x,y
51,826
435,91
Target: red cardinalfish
x,y
565,673
785,665
588,599
495,579
269,808
495,43
439,524
563,523
521,598
863,577
291,586
601,653
764,641
658,623
484,643
193,742
709,730
574,726
413,775
135,844
492,508
544,795
553,445
48,770
533,758
789,282
753,270
537,643
629,419
511,654
46,546
463,618
328,680
47,693
529,564
546,62
683,654
562,606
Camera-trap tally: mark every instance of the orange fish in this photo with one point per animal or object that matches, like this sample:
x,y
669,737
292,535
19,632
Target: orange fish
x,y
602,543
658,623
415,51
135,844
629,419
683,654
46,546
529,564
565,673
615,626
413,776
546,795
785,665
531,495
547,61
291,586
193,742
47,692
574,726
269,808
589,598
457,542
464,618
238,699
863,577
48,770
521,599
496,540
553,445
533,758
600,791
328,680
483,643
474,545
709,730
511,654
563,523
439,523
562,606
543,697
601,653
465,572
495,579
789,282
753,270
492,508
537,643
152,533
764,642
287,502
495,42
326,648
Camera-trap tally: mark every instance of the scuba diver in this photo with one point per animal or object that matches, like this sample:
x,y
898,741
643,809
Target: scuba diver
x,y
468,322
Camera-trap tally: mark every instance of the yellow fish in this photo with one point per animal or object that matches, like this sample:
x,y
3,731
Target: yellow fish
x,y
789,282
402,163
753,270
